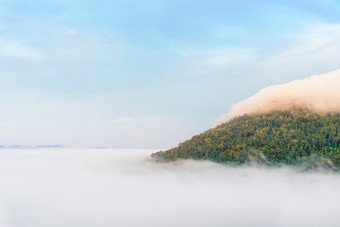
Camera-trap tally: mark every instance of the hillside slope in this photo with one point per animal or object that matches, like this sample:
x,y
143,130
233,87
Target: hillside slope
x,y
282,137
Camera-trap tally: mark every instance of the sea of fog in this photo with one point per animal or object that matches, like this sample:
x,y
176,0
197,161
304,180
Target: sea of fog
x,y
103,187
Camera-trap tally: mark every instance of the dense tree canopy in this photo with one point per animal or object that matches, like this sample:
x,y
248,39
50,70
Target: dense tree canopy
x,y
282,137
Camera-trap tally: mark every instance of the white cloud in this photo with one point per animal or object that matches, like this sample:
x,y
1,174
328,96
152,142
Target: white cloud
x,y
316,50
318,93
20,51
136,119
73,31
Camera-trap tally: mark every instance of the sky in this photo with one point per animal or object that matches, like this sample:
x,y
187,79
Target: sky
x,y
149,74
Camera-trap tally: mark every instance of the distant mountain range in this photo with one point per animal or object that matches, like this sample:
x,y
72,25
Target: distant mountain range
x,y
26,147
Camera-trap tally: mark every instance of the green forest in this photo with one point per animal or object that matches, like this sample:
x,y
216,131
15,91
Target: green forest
x,y
282,137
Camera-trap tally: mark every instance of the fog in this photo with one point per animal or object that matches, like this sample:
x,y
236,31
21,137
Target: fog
x,y
77,187
318,93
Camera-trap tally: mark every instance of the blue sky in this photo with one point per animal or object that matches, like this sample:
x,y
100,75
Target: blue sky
x,y
150,73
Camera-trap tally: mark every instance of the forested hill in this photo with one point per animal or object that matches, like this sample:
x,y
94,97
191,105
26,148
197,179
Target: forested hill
x,y
282,137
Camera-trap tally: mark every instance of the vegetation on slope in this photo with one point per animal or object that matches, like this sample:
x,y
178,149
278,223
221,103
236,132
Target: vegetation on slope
x,y
282,137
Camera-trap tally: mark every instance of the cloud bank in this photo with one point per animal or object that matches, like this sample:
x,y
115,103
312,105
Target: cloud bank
x,y
318,93
105,188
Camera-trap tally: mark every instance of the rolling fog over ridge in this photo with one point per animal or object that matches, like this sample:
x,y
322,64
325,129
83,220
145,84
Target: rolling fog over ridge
x,y
81,187
318,93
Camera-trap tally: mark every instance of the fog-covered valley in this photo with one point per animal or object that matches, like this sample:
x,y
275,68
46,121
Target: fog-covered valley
x,y
88,187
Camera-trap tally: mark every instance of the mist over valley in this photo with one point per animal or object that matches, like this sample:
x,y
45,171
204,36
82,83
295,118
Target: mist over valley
x,y
89,187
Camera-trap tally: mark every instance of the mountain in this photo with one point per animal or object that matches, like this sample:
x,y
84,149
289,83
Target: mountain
x,y
29,147
281,137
